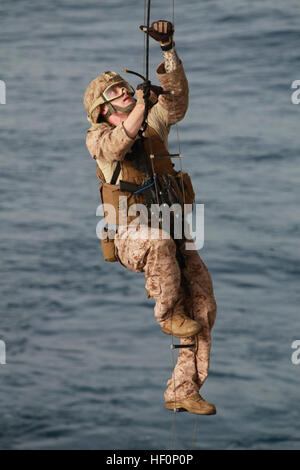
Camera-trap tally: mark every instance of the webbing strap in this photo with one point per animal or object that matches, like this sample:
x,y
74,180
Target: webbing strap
x,y
116,173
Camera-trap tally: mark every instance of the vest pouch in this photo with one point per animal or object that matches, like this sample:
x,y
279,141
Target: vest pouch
x,y
108,245
111,194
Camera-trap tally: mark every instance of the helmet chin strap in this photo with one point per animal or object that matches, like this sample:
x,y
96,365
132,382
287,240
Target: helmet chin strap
x,y
114,109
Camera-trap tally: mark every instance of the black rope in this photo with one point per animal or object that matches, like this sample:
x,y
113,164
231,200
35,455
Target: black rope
x,y
179,256
147,40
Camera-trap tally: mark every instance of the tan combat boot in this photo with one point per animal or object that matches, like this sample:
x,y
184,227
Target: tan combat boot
x,y
180,325
194,404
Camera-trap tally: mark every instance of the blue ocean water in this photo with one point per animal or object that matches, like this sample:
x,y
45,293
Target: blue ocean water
x,y
87,363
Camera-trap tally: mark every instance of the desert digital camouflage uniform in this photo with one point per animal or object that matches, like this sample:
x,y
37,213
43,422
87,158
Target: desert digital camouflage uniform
x,y
156,256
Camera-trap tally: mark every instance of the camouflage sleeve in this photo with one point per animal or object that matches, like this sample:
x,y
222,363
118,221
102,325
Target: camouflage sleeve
x,y
171,60
172,77
108,143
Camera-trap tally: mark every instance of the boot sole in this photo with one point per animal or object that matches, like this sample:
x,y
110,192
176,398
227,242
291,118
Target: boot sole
x,y
178,335
180,407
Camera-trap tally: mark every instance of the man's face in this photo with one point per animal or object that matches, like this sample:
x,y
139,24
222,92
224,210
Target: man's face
x,y
124,100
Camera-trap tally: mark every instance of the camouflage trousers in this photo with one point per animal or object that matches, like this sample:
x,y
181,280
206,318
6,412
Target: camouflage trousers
x,y
156,257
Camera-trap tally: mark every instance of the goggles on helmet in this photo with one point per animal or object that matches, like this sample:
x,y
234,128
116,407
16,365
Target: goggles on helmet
x,y
116,90
113,91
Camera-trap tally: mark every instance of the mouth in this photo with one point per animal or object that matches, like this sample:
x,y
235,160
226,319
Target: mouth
x,y
128,98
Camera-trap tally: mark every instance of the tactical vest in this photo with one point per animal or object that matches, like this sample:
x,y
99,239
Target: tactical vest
x,y
162,165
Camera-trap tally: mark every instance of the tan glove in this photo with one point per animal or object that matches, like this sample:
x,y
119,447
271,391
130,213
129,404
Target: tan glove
x,y
139,97
162,31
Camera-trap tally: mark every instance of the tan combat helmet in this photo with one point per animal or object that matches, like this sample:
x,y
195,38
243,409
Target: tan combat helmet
x,y
99,92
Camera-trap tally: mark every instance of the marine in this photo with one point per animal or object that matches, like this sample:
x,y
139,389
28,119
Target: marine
x,y
132,160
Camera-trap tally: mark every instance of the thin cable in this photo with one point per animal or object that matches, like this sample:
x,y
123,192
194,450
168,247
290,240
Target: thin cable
x,y
147,40
195,432
196,423
172,440
173,350
147,104
173,12
146,73
144,54
183,193
176,124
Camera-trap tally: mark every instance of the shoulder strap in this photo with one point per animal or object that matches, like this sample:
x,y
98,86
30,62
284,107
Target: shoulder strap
x,y
116,173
